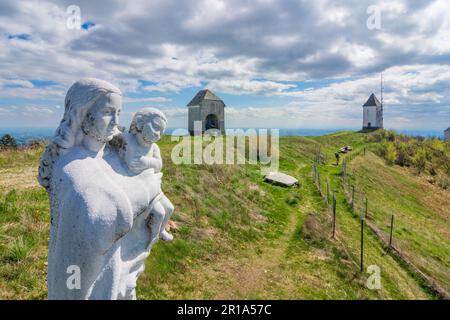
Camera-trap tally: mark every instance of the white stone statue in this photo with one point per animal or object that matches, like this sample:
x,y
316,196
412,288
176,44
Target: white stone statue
x,y
140,152
101,212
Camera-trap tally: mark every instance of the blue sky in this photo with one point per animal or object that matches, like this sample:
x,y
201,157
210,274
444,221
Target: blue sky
x,y
276,64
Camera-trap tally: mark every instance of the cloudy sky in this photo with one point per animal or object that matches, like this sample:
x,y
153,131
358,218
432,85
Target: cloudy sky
x,y
281,64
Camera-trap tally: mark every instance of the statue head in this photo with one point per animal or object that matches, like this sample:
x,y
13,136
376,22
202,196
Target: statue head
x,y
148,125
91,109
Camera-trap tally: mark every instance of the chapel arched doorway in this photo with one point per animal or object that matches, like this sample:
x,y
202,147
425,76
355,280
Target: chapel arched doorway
x,y
211,122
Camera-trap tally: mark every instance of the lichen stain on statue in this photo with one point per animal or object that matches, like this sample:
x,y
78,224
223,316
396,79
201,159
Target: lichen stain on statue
x,y
107,207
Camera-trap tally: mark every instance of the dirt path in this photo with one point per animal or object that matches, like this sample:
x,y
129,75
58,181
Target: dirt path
x,y
247,274
250,276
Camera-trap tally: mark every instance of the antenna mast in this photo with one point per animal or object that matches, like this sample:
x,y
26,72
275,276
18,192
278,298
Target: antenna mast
x,y
381,111
381,86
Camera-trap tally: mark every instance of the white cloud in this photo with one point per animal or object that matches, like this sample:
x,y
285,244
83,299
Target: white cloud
x,y
24,89
233,47
29,116
151,99
239,87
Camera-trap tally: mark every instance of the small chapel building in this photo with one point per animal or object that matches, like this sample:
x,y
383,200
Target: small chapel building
x,y
372,113
209,109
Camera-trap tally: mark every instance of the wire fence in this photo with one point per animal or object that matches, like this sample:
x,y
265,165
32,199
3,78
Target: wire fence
x,y
358,200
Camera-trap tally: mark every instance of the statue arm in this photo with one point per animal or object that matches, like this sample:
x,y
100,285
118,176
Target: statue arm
x,y
138,163
156,159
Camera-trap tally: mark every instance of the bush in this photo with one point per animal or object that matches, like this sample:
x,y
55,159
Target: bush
x,y
36,143
390,135
391,153
443,181
8,142
429,156
381,135
438,145
403,155
420,160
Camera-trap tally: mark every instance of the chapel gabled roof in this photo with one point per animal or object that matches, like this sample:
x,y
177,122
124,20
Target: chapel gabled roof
x,y
372,102
204,94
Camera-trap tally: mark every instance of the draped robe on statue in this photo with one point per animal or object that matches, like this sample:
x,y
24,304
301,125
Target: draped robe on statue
x,y
99,215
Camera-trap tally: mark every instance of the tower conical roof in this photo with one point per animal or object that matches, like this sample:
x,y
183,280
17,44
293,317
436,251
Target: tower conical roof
x,y
204,94
372,102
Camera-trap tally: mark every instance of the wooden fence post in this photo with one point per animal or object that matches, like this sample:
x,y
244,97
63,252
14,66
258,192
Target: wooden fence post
x,y
392,227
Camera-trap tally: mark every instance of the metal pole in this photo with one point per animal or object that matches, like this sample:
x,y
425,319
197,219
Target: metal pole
x,y
392,227
343,168
334,214
318,182
345,171
362,240
328,191
367,212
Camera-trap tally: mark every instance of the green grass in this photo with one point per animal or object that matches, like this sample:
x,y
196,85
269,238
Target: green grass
x,y
421,213
237,236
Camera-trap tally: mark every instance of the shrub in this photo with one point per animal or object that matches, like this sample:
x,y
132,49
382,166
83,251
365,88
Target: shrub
x,y
390,135
36,143
420,160
438,145
391,153
403,157
375,136
430,156
381,150
8,142
443,181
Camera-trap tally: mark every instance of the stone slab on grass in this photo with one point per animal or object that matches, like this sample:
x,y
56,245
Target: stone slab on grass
x,y
281,179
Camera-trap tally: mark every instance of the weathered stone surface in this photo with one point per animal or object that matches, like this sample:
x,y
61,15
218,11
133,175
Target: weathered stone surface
x,y
105,215
281,179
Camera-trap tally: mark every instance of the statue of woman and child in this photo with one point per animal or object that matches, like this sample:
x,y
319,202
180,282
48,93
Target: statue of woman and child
x,y
107,207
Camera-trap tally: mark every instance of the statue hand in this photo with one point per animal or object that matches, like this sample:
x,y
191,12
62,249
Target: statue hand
x,y
137,165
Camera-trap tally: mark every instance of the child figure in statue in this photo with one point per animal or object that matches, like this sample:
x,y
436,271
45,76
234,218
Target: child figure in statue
x,y
140,152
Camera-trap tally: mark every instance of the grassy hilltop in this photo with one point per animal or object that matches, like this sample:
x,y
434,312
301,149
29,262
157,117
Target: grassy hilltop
x,y
238,237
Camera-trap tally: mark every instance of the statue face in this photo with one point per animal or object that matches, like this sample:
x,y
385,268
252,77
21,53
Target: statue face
x,y
151,131
102,119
